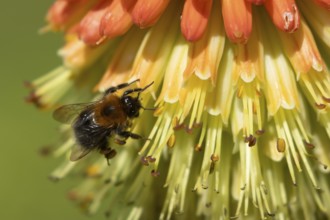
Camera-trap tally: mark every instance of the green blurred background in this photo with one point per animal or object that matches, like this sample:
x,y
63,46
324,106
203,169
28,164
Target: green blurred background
x,y
25,191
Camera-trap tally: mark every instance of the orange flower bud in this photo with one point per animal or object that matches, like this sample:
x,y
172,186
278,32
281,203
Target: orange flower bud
x,y
116,20
284,14
63,13
194,18
237,20
145,13
89,30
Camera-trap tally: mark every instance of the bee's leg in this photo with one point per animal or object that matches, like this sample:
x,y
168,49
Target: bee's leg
x,y
108,154
103,145
138,90
106,150
127,134
120,141
120,86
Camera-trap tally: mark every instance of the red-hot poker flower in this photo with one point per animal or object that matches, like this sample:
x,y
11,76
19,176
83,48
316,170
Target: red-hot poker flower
x,y
234,116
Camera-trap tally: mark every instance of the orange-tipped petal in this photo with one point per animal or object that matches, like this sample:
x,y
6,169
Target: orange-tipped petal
x,y
77,55
318,19
302,51
194,18
323,3
89,30
116,20
155,49
248,64
284,14
237,20
145,13
121,63
256,2
63,13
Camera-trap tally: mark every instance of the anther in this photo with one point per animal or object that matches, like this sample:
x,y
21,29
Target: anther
x,y
280,145
198,148
309,146
320,106
171,141
144,161
214,158
176,125
253,141
46,150
260,132
155,173
150,159
189,130
34,99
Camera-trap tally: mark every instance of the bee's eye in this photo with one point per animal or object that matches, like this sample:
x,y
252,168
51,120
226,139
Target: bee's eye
x,y
131,106
108,110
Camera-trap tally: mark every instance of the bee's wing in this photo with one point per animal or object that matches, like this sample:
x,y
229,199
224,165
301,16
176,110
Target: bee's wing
x,y
78,152
67,113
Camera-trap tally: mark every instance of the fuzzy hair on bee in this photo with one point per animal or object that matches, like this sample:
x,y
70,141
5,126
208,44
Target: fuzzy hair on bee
x,y
109,117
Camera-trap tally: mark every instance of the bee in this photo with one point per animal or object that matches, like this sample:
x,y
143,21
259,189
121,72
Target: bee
x,y
94,123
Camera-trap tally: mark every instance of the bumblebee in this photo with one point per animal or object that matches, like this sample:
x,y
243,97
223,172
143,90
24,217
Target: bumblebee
x,y
94,123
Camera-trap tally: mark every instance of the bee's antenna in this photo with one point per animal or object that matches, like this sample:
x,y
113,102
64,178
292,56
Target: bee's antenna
x,y
142,89
147,86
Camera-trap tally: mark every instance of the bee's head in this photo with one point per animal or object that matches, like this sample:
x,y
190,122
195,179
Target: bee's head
x,y
131,106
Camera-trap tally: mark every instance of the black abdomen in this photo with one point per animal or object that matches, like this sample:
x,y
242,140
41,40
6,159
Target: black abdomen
x,y
89,134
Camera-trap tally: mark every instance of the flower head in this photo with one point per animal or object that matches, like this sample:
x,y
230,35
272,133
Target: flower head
x,y
241,92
